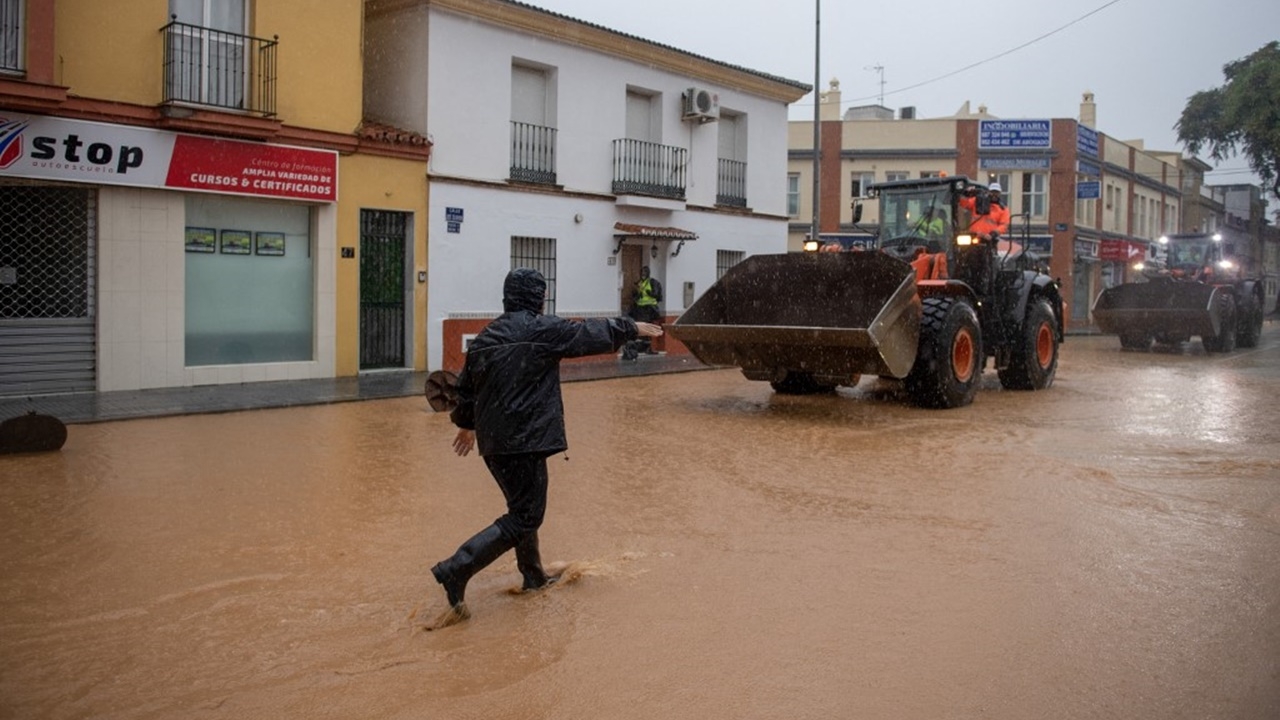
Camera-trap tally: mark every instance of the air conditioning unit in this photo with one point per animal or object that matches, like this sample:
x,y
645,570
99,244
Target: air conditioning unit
x,y
701,105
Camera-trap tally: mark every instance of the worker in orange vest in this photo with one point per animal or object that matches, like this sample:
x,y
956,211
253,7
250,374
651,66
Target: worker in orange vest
x,y
990,216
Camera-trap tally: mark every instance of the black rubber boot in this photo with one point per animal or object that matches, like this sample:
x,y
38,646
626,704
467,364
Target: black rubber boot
x,y
474,555
529,561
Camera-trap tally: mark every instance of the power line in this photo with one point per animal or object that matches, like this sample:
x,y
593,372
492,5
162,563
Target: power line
x,y
981,62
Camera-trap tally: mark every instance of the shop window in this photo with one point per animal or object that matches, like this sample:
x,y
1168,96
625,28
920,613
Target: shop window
x,y
250,281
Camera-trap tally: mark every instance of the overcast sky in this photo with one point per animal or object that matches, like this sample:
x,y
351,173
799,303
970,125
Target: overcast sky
x,y
1142,59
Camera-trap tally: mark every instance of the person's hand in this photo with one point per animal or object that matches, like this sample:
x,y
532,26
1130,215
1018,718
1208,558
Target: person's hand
x,y
648,329
463,442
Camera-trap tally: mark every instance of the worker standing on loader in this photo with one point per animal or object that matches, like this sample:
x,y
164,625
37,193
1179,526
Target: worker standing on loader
x,y
990,216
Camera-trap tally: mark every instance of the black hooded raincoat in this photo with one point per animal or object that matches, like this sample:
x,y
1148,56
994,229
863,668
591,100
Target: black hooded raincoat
x,y
509,388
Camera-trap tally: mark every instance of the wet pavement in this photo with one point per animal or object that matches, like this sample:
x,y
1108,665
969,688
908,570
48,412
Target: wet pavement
x,y
1103,549
162,402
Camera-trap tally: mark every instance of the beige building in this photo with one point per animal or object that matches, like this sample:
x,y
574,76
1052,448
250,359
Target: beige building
x,y
1086,202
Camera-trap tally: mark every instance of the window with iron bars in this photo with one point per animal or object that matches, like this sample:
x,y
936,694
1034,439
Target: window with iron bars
x,y
539,254
726,259
47,256
11,35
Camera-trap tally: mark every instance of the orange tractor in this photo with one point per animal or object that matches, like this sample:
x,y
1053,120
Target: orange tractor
x,y
926,303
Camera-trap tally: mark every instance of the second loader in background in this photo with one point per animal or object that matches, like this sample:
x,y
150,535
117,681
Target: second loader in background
x,y
1189,287
928,303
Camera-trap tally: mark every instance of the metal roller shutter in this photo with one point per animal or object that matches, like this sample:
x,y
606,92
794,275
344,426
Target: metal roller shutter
x,y
47,323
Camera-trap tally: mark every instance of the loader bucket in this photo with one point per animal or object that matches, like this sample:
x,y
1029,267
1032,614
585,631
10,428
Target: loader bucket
x,y
831,315
1161,307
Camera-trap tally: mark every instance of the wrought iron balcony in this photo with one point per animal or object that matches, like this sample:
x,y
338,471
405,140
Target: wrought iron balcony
x,y
731,183
203,66
11,32
646,168
533,153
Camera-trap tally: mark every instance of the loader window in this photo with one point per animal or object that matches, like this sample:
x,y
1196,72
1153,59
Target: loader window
x,y
1184,255
912,214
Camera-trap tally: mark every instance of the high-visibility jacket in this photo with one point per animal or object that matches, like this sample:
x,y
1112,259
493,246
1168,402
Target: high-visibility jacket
x,y
645,295
996,220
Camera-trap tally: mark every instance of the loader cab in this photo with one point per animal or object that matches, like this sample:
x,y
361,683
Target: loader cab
x,y
1195,257
917,215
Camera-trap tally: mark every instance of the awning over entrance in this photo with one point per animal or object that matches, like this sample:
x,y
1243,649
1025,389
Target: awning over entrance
x,y
629,230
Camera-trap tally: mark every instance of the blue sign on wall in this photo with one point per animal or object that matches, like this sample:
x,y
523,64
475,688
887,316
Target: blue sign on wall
x,y
1014,163
1015,134
1086,141
1088,190
1040,245
1088,168
454,227
453,214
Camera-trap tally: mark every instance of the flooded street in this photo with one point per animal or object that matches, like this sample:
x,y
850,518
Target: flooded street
x,y
1105,549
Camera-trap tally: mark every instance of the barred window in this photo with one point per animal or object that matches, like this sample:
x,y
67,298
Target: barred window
x,y
47,236
726,259
539,254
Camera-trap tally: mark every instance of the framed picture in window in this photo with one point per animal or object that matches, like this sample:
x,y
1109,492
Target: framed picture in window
x,y
269,243
236,242
201,240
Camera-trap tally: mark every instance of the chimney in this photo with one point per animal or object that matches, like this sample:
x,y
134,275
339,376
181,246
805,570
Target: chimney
x,y
830,101
1089,111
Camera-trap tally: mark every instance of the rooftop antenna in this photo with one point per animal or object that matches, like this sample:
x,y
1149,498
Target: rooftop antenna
x,y
879,69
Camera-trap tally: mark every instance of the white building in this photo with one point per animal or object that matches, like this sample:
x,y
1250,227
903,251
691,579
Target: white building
x,y
578,150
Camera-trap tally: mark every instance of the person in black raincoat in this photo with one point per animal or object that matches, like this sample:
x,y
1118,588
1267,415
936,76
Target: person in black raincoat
x,y
509,405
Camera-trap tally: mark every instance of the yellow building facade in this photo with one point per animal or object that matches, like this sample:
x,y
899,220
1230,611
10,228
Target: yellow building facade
x,y
191,195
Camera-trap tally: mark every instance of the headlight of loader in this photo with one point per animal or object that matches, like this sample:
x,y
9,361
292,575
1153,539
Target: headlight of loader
x,y
964,239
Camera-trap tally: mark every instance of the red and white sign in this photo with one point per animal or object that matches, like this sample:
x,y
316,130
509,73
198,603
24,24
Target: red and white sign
x,y
1121,251
48,148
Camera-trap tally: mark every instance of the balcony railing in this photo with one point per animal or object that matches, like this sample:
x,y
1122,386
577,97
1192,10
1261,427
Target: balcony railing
x,y
226,70
11,36
645,168
731,183
533,153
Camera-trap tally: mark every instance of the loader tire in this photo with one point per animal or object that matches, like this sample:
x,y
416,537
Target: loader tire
x,y
1034,357
949,362
1225,341
1249,330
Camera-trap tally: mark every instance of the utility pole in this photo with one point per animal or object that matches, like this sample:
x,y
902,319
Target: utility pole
x,y
817,118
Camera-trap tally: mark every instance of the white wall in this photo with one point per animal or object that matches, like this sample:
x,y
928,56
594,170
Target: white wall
x,y
467,268
469,113
394,42
468,118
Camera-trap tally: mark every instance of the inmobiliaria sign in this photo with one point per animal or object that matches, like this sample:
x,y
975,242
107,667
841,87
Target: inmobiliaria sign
x,y
47,148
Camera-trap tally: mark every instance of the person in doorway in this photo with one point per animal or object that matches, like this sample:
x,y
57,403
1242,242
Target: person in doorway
x,y
646,295
509,406
990,216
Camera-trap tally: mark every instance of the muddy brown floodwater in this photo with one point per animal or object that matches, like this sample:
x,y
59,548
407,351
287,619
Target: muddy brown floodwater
x,y
1105,549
